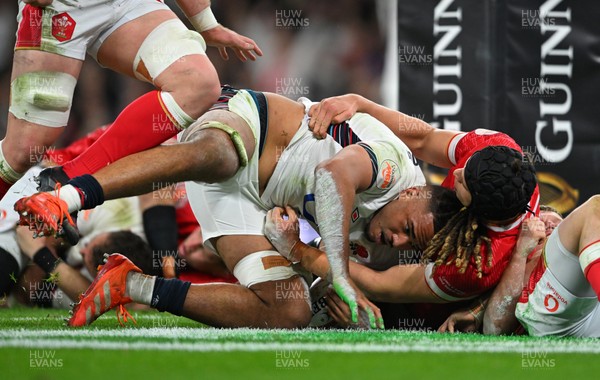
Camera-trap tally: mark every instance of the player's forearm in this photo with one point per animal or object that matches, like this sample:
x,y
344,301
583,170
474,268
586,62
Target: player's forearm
x,y
311,259
70,280
368,281
192,7
499,317
334,199
427,143
411,130
199,14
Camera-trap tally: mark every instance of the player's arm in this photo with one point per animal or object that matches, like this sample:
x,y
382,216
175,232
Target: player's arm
x,y
399,284
337,181
468,319
427,143
282,229
67,278
499,317
215,34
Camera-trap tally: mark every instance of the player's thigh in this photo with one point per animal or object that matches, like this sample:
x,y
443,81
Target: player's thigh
x,y
233,248
224,131
577,229
119,49
28,61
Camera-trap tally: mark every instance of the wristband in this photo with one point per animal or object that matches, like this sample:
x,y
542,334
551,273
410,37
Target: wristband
x,y
46,260
203,21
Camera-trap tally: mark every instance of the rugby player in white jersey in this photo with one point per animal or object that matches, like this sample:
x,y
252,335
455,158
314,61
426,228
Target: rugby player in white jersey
x,y
139,38
250,152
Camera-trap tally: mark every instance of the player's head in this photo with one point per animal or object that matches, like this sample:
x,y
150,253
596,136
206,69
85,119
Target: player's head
x,y
412,219
125,242
551,218
497,183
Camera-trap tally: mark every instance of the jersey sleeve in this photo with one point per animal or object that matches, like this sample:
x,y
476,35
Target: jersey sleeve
x,y
463,145
450,285
394,167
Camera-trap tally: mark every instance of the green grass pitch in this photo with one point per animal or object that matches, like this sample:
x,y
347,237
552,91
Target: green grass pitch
x,y
35,344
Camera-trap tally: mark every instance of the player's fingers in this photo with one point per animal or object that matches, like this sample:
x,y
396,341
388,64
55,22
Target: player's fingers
x,y
223,52
378,319
336,313
444,327
240,55
316,118
249,45
292,216
324,121
277,213
451,326
341,117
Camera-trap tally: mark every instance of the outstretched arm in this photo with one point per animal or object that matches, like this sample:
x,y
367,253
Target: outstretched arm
x,y
215,34
499,317
337,181
403,283
281,228
67,278
427,143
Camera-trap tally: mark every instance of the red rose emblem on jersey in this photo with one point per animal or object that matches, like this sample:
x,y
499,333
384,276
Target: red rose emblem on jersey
x,y
63,26
387,174
359,250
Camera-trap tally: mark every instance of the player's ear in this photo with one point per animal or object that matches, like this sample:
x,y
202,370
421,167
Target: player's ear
x,y
410,192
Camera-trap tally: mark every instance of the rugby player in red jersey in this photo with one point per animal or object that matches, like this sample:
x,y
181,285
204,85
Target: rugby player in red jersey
x,y
492,179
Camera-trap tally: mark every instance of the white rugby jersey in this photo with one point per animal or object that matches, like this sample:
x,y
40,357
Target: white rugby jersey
x,y
394,170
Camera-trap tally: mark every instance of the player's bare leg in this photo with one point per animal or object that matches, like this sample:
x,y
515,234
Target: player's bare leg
x,y
187,85
280,303
580,233
43,81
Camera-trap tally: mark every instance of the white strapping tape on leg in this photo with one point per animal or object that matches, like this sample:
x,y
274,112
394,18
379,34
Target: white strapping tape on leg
x,y
7,173
42,97
167,43
590,254
182,119
263,266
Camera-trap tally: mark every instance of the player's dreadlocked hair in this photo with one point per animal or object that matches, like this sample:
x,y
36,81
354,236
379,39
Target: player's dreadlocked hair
x,y
501,182
460,239
443,205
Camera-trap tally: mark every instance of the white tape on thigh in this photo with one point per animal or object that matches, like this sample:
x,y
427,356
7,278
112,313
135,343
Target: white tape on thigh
x,y
42,97
167,43
589,255
262,266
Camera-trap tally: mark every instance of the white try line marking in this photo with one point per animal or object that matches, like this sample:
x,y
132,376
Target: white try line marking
x,y
213,340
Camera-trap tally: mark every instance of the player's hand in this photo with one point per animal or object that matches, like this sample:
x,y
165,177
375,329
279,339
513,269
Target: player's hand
x,y
462,321
370,315
223,38
29,246
38,3
533,232
331,110
283,233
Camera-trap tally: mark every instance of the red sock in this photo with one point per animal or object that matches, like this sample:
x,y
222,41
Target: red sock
x,y
589,258
143,124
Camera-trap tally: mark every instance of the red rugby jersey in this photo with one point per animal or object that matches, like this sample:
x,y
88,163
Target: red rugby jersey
x,y
446,281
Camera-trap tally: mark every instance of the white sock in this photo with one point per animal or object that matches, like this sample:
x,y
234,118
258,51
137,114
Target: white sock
x,y
70,195
140,287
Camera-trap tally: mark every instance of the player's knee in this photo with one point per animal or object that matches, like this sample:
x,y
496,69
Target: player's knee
x,y
297,314
216,156
194,91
